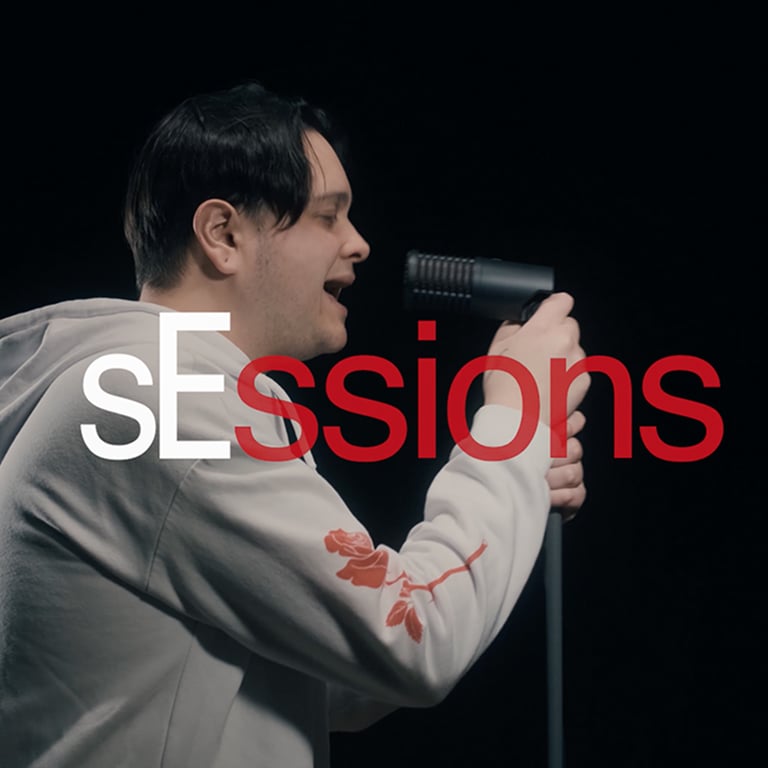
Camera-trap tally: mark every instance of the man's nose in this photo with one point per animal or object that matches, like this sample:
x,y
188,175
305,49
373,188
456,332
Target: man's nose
x,y
356,247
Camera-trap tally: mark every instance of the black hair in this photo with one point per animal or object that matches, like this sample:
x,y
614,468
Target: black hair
x,y
244,145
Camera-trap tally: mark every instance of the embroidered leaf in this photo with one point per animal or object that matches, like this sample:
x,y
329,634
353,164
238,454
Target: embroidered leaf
x,y
413,624
397,614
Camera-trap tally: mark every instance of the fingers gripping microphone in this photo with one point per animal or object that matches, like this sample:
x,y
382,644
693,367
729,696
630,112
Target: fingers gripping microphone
x,y
502,290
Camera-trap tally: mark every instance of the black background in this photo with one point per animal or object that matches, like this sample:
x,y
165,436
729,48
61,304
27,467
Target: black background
x,y
623,151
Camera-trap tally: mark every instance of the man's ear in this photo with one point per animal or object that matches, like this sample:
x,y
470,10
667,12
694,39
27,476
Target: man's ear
x,y
215,226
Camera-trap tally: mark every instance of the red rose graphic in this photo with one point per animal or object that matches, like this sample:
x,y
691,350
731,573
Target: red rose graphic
x,y
367,566
368,571
347,544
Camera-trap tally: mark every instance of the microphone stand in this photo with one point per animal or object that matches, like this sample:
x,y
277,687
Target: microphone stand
x,y
553,583
502,290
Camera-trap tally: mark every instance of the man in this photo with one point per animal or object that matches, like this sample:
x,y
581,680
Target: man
x,y
223,611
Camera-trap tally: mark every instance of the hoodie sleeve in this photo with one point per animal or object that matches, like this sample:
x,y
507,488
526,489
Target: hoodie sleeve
x,y
269,553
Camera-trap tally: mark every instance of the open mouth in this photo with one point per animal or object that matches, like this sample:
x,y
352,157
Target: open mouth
x,y
334,288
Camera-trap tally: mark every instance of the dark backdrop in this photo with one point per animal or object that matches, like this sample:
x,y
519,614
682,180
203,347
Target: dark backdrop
x,y
622,152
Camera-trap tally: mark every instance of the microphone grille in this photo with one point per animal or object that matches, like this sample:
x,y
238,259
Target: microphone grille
x,y
438,282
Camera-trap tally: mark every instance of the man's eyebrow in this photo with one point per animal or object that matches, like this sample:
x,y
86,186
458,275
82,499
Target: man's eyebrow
x,y
338,198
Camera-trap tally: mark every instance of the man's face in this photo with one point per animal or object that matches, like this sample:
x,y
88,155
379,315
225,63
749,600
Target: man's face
x,y
296,275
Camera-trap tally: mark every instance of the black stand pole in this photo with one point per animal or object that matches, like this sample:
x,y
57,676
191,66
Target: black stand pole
x,y
554,619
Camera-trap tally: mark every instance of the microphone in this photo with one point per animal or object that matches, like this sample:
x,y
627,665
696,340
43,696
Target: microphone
x,y
502,290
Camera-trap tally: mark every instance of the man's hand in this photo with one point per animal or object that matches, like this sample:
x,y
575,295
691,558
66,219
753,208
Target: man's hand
x,y
548,334
566,476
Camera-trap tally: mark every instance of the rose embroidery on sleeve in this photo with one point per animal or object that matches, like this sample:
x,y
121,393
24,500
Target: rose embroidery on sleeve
x,y
367,567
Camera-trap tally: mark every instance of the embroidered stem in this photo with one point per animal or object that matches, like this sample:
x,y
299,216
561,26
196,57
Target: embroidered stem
x,y
459,569
402,576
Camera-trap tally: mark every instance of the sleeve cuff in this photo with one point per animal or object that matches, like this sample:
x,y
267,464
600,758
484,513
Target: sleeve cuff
x,y
496,425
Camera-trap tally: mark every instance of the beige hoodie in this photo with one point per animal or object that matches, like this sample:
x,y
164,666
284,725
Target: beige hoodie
x,y
222,613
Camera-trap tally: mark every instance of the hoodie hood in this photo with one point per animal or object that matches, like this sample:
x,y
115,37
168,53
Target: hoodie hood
x,y
37,346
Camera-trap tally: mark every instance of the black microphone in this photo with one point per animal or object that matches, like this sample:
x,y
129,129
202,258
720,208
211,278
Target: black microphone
x,y
502,290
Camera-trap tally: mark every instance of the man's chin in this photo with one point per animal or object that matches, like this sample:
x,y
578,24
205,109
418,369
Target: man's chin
x,y
329,346
338,342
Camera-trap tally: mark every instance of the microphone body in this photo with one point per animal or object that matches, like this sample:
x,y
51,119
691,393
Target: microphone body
x,y
502,290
